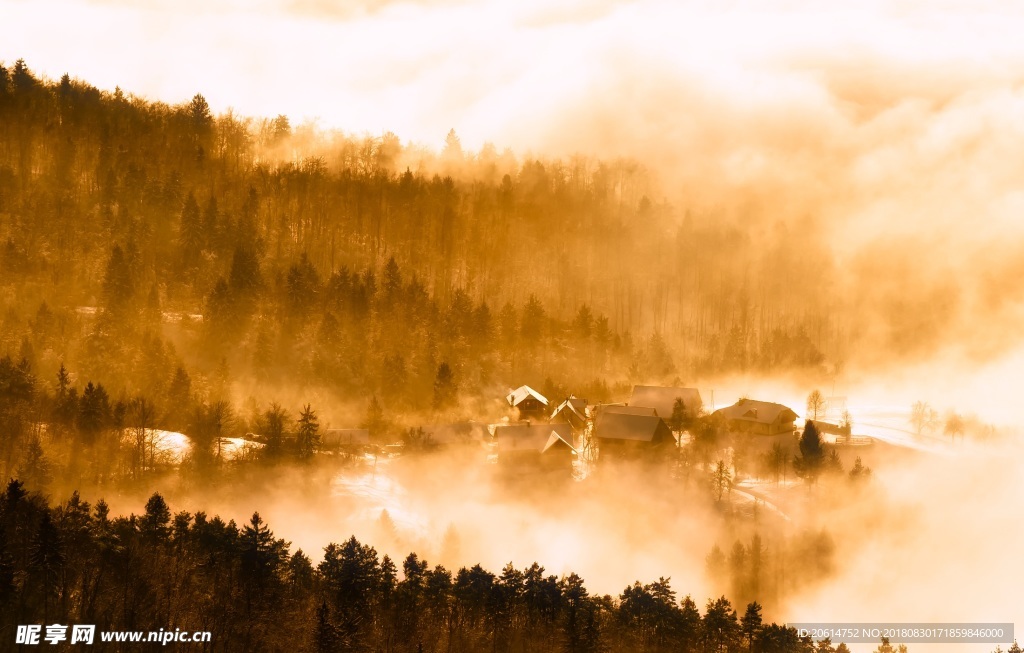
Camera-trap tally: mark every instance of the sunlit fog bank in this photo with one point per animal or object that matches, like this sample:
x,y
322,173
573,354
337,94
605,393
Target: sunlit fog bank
x,y
939,512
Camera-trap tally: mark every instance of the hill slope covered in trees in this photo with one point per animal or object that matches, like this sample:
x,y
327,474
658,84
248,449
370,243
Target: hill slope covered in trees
x,y
361,264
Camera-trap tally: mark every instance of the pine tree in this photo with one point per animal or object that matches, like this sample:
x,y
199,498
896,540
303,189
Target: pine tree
x,y
679,419
809,463
63,382
190,232
154,525
46,560
445,388
720,628
532,327
118,280
750,624
274,423
325,637
36,470
375,421
261,554
308,436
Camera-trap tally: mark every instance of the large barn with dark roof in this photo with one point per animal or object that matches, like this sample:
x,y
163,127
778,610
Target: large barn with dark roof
x,y
663,399
630,432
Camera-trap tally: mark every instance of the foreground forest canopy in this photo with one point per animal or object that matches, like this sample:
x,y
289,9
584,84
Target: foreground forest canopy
x,y
74,563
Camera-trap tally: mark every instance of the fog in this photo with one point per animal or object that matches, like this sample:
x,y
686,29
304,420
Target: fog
x,y
931,539
892,132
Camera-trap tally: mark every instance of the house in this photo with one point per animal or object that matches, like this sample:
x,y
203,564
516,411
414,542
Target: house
x,y
631,432
346,440
626,409
534,448
529,403
663,399
596,411
572,411
758,417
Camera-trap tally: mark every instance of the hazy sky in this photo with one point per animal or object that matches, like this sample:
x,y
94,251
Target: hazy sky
x,y
517,72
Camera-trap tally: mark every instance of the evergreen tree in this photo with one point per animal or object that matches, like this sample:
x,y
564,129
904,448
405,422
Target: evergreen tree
x,y
190,232
809,463
274,422
46,561
678,421
118,280
750,624
261,554
445,388
308,436
720,628
533,321
155,523
375,421
36,470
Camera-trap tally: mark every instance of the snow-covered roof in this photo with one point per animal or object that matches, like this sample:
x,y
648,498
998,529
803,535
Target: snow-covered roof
x,y
517,396
761,412
532,437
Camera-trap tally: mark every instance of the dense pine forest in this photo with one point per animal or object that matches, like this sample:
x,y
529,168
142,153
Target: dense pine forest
x,y
74,563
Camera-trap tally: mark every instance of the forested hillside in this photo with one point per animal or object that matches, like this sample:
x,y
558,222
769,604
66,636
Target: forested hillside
x,y
140,237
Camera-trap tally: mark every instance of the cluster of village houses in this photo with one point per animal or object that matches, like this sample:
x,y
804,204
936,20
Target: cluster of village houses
x,y
540,437
549,438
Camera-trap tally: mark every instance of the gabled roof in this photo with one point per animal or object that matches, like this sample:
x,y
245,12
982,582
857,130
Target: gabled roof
x,y
517,396
574,406
621,409
555,439
760,412
532,437
663,399
629,426
576,402
597,409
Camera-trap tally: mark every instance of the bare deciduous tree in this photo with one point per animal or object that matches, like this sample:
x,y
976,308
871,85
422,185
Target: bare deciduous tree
x,y
815,404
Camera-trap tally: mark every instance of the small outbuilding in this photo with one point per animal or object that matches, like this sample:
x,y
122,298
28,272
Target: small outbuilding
x,y
535,448
528,403
572,411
